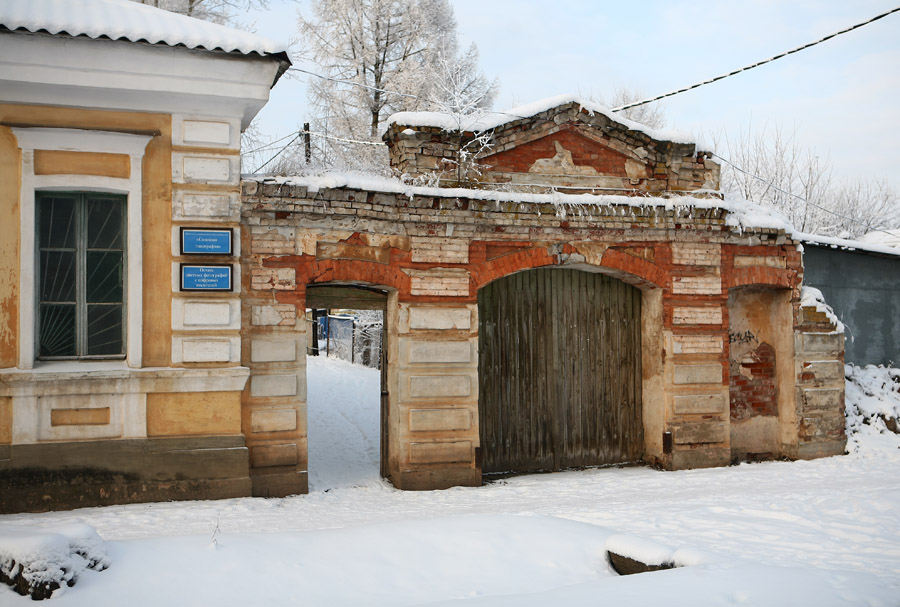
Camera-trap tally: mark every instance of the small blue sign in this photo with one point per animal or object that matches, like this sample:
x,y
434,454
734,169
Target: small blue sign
x,y
205,278
196,241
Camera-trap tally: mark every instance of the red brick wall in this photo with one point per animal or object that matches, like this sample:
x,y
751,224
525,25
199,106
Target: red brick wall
x,y
585,152
752,383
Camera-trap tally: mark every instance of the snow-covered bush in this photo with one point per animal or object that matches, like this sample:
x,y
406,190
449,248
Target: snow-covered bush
x,y
873,403
42,562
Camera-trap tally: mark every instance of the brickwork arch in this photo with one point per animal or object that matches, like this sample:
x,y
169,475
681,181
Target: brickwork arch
x,y
309,271
628,268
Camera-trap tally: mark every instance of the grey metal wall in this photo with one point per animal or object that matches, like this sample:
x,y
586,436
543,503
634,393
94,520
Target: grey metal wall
x,y
864,290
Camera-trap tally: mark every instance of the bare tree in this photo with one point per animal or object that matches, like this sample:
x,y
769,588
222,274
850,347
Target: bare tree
x,y
772,168
464,95
379,57
649,114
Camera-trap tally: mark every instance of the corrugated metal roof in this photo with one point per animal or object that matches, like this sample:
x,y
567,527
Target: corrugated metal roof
x,y
126,20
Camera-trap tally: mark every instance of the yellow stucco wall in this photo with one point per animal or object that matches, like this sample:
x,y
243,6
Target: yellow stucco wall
x,y
55,162
157,212
5,420
193,413
10,167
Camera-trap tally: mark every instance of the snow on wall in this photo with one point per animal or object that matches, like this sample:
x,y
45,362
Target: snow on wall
x,y
742,214
123,19
493,120
810,297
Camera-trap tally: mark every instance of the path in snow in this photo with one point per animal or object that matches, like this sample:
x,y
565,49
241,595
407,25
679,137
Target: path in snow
x,y
343,414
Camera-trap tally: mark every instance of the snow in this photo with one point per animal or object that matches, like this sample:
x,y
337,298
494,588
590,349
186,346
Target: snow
x,y
822,532
640,549
888,238
873,400
871,245
122,19
492,120
343,413
742,214
55,554
810,297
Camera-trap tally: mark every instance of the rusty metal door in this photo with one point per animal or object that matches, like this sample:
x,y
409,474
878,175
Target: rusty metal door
x,y
559,371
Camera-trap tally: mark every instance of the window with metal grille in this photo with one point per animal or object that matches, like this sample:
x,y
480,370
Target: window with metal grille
x,y
81,239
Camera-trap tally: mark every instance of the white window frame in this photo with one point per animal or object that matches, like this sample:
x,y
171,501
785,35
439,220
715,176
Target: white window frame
x,y
77,140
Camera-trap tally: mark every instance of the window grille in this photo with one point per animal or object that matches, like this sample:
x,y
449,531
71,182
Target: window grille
x,y
81,292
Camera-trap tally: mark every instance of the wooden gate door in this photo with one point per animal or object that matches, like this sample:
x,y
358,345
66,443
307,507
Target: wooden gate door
x,y
559,371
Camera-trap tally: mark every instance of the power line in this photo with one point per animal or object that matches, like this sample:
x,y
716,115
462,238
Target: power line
x,y
352,83
278,153
297,136
757,64
267,146
387,91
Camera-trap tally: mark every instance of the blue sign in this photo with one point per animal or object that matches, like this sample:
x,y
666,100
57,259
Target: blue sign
x,y
196,241
205,278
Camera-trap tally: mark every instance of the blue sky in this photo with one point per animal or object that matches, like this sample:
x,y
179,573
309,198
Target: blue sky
x,y
840,97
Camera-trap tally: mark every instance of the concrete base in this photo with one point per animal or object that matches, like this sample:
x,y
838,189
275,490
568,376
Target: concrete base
x,y
816,450
61,476
754,439
711,457
428,480
279,482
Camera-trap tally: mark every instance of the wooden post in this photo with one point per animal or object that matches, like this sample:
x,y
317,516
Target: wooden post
x,y
306,142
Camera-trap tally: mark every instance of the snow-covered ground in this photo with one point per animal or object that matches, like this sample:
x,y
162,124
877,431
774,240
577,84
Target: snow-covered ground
x,y
824,532
343,414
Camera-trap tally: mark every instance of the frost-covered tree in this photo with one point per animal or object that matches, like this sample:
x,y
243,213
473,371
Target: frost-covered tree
x,y
379,57
649,114
463,94
775,170
223,12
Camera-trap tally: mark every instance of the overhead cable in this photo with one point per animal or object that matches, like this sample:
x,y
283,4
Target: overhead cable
x,y
757,64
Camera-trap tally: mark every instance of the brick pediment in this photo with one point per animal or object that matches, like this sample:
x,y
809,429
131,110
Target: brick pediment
x,y
571,145
566,153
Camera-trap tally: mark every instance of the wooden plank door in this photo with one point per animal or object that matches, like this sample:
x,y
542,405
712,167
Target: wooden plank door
x,y
559,371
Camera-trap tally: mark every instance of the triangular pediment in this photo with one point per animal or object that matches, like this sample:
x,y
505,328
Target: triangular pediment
x,y
568,153
556,143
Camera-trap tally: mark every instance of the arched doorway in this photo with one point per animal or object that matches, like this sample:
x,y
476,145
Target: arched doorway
x,y
346,301
559,371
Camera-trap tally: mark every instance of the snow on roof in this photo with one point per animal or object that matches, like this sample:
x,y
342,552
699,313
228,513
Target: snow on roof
x,y
126,20
742,214
848,245
888,238
493,120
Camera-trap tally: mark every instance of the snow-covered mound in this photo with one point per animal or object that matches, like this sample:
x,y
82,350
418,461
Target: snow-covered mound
x,y
43,561
873,408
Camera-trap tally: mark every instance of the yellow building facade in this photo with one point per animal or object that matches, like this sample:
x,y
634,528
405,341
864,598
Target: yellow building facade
x,y
118,381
